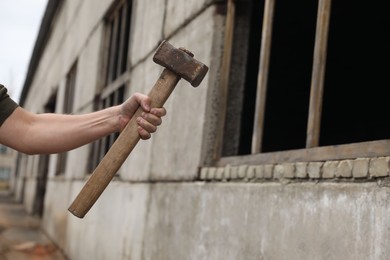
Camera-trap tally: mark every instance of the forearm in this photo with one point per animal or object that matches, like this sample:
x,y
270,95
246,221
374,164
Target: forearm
x,y
54,133
58,133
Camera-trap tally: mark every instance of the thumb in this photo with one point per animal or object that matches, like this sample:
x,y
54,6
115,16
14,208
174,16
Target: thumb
x,y
144,101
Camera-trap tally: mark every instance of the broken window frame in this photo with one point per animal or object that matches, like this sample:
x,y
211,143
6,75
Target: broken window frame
x,y
312,151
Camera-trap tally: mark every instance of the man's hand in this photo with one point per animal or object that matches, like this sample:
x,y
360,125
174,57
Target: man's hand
x,y
149,119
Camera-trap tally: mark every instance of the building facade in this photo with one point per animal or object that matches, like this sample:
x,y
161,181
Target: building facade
x,y
281,153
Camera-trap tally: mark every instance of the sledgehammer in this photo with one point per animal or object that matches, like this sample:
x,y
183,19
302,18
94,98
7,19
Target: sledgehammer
x,y
178,63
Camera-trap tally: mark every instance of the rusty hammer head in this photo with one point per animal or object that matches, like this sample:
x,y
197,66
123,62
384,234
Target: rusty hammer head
x,y
181,62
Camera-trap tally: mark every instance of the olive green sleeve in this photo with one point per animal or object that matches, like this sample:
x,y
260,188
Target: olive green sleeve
x,y
7,105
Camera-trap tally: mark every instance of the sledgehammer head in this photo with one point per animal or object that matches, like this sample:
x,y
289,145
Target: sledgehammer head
x,y
181,62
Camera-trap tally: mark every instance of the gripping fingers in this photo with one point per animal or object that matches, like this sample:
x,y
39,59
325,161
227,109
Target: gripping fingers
x,y
160,112
148,122
145,135
152,118
148,126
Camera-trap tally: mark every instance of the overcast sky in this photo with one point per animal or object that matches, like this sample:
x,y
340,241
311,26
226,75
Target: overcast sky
x,y
19,25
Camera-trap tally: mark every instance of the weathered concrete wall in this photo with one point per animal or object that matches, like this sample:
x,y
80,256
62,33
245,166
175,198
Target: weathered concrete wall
x,y
74,26
28,182
30,186
114,227
177,146
247,212
166,204
55,219
158,159
267,221
199,220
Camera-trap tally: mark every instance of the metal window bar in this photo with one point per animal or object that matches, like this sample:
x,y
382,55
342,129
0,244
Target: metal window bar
x,y
126,36
118,41
121,41
265,52
318,74
101,146
112,51
225,73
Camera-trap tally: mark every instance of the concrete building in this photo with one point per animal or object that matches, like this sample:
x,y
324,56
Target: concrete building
x,y
281,153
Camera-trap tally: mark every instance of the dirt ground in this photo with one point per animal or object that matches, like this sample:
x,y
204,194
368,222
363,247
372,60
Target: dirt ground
x,y
20,234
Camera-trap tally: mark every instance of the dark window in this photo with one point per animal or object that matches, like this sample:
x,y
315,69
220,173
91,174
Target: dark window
x,y
100,147
357,85
70,89
288,89
116,75
348,101
118,26
67,109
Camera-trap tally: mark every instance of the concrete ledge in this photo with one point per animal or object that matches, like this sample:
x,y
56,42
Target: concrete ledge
x,y
359,168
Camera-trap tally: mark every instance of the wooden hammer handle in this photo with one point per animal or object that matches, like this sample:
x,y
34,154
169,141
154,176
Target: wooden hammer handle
x,y
121,149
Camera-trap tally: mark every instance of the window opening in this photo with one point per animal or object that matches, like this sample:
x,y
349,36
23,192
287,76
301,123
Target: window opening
x,y
67,109
325,62
116,72
357,85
